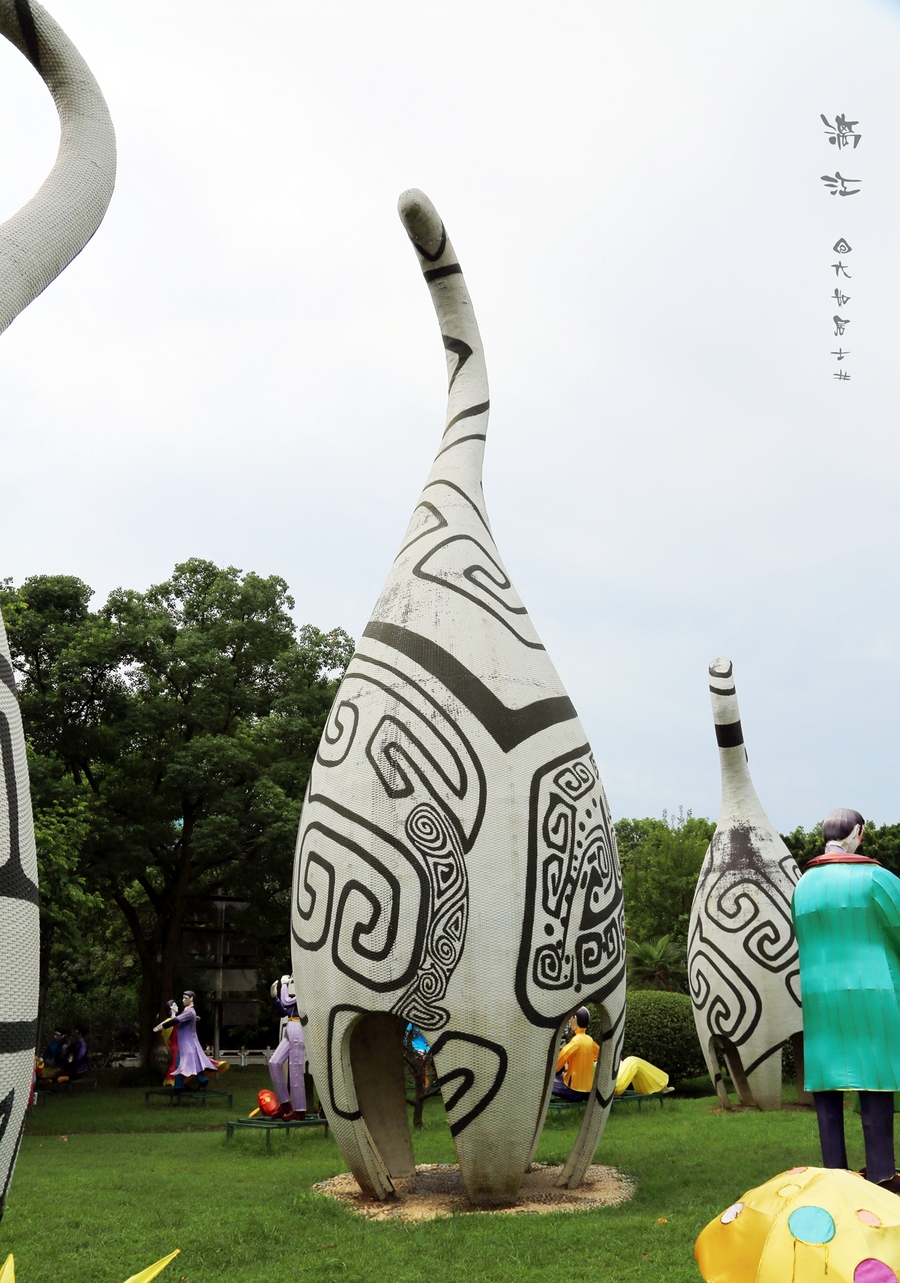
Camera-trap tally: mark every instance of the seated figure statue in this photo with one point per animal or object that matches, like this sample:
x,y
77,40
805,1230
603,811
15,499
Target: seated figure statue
x,y
77,1055
55,1053
575,1063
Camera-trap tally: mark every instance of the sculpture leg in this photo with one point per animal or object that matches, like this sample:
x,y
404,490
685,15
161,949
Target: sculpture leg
x,y
376,1058
877,1111
296,1062
830,1115
738,1077
493,1100
707,1046
330,1061
276,1070
600,1102
765,1083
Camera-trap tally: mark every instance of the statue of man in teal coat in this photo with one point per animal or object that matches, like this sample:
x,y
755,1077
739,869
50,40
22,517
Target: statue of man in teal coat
x,y
846,911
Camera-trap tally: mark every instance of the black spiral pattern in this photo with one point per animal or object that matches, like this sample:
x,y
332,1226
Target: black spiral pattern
x,y
445,936
573,941
731,1006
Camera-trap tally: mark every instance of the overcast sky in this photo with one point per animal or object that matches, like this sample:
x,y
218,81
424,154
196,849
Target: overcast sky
x,y
244,363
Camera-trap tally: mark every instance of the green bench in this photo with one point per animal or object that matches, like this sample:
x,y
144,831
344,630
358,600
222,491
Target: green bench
x,y
269,1125
53,1085
558,1107
628,1096
177,1097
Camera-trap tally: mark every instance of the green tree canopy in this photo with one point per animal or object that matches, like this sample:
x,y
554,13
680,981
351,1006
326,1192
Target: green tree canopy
x,y
171,735
880,842
661,861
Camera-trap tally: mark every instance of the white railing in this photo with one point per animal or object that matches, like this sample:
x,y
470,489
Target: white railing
x,y
237,1056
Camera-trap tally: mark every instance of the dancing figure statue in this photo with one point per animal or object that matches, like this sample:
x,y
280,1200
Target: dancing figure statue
x,y
191,1061
742,954
456,866
290,1053
35,245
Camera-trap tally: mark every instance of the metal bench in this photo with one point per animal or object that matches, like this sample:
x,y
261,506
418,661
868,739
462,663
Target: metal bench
x,y
559,1107
269,1125
628,1096
54,1085
176,1097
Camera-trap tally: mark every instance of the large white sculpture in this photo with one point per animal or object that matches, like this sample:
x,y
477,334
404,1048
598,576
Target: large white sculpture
x,y
35,245
456,866
742,955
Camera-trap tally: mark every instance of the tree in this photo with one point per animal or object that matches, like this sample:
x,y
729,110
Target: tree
x,y
661,861
178,726
880,842
655,964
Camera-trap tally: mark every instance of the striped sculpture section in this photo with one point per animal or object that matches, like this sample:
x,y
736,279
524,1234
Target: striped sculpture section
x,y
35,245
456,866
743,968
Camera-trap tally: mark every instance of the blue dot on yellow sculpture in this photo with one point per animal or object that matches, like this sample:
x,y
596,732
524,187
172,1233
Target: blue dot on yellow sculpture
x,y
808,1225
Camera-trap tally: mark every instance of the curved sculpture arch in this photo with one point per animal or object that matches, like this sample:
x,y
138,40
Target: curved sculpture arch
x,y
35,245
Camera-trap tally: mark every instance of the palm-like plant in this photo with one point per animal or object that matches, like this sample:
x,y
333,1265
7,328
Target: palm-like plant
x,y
655,964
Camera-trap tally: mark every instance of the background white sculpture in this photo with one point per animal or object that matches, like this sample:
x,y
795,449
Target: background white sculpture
x,y
456,866
742,955
35,245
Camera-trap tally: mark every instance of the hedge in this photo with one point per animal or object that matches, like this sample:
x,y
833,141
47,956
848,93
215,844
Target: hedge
x,y
659,1027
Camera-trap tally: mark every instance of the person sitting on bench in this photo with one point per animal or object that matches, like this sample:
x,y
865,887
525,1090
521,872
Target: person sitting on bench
x,y
77,1056
54,1059
575,1063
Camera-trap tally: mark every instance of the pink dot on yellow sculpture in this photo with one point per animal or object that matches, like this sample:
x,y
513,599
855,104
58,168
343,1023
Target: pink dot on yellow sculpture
x,y
872,1271
868,1218
731,1213
795,1171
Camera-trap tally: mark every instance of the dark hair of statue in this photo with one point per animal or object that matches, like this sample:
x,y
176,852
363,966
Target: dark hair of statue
x,y
582,1017
840,823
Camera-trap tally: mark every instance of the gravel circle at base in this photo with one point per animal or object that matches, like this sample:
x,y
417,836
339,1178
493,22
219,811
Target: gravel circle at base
x,y
437,1190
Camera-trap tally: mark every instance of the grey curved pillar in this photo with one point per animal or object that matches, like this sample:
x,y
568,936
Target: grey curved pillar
x,y
35,245
743,966
456,866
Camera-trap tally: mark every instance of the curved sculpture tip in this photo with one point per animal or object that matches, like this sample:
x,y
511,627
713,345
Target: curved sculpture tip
x,y
721,668
422,221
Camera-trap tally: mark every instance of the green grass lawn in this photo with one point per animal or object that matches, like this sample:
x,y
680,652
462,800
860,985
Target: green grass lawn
x,y
132,1182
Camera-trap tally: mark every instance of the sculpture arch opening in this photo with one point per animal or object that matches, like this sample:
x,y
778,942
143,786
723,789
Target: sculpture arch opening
x,y
376,1062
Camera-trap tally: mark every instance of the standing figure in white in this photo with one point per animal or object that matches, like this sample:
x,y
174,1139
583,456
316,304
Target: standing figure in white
x,y
35,245
743,966
456,866
289,1055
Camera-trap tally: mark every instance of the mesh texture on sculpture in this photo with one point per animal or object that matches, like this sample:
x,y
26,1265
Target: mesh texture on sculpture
x,y
59,220
35,245
743,968
456,866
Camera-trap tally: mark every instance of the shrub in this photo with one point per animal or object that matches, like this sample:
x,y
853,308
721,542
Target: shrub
x,y
659,1027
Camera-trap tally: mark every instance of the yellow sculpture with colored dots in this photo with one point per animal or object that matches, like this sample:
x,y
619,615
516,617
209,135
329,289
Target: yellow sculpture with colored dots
x,y
808,1225
8,1271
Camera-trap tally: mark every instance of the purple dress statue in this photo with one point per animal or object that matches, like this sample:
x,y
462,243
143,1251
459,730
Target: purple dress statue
x,y
192,1059
290,1049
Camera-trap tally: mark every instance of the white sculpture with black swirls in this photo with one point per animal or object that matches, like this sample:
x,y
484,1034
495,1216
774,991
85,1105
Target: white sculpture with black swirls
x,y
35,245
743,967
456,866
